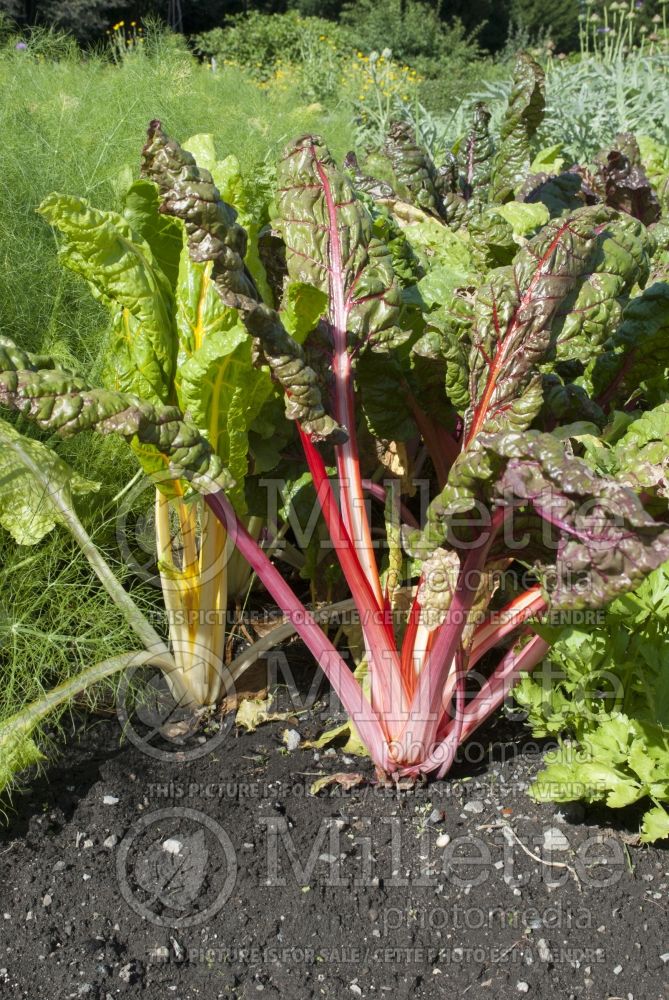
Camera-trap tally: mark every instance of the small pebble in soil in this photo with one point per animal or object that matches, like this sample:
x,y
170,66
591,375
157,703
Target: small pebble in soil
x,y
443,840
475,806
130,973
665,958
179,952
291,738
46,901
159,954
110,841
544,951
618,969
555,840
522,986
110,800
172,846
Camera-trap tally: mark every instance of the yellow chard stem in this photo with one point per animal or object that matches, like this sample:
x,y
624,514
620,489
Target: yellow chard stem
x,y
177,604
212,603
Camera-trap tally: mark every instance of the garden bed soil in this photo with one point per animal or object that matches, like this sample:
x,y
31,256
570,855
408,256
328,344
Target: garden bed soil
x,y
125,875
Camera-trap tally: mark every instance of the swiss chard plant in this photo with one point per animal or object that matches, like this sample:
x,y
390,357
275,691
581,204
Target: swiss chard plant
x,y
173,341
493,341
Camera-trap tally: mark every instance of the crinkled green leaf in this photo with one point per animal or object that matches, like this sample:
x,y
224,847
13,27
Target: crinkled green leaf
x,y
189,194
559,193
451,325
468,481
141,207
302,307
214,236
447,261
490,238
604,541
394,388
415,174
476,156
655,159
405,260
655,825
438,582
286,359
200,309
330,243
120,267
31,477
524,217
513,319
223,393
373,187
233,188
518,318
638,353
642,454
620,259
519,125
59,402
549,158
566,403
385,396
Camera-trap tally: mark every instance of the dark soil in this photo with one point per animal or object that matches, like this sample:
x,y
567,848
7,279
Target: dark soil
x,y
378,906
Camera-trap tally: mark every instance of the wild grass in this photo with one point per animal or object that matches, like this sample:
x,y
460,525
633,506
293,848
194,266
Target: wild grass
x,y
78,125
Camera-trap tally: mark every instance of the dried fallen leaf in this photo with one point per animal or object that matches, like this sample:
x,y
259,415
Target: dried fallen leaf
x,y
254,712
253,684
347,780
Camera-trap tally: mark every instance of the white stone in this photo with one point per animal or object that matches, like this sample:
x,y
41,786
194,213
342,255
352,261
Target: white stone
x,y
172,846
291,738
555,840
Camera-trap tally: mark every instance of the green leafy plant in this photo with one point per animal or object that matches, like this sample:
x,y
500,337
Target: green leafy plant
x,y
604,692
454,319
173,341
